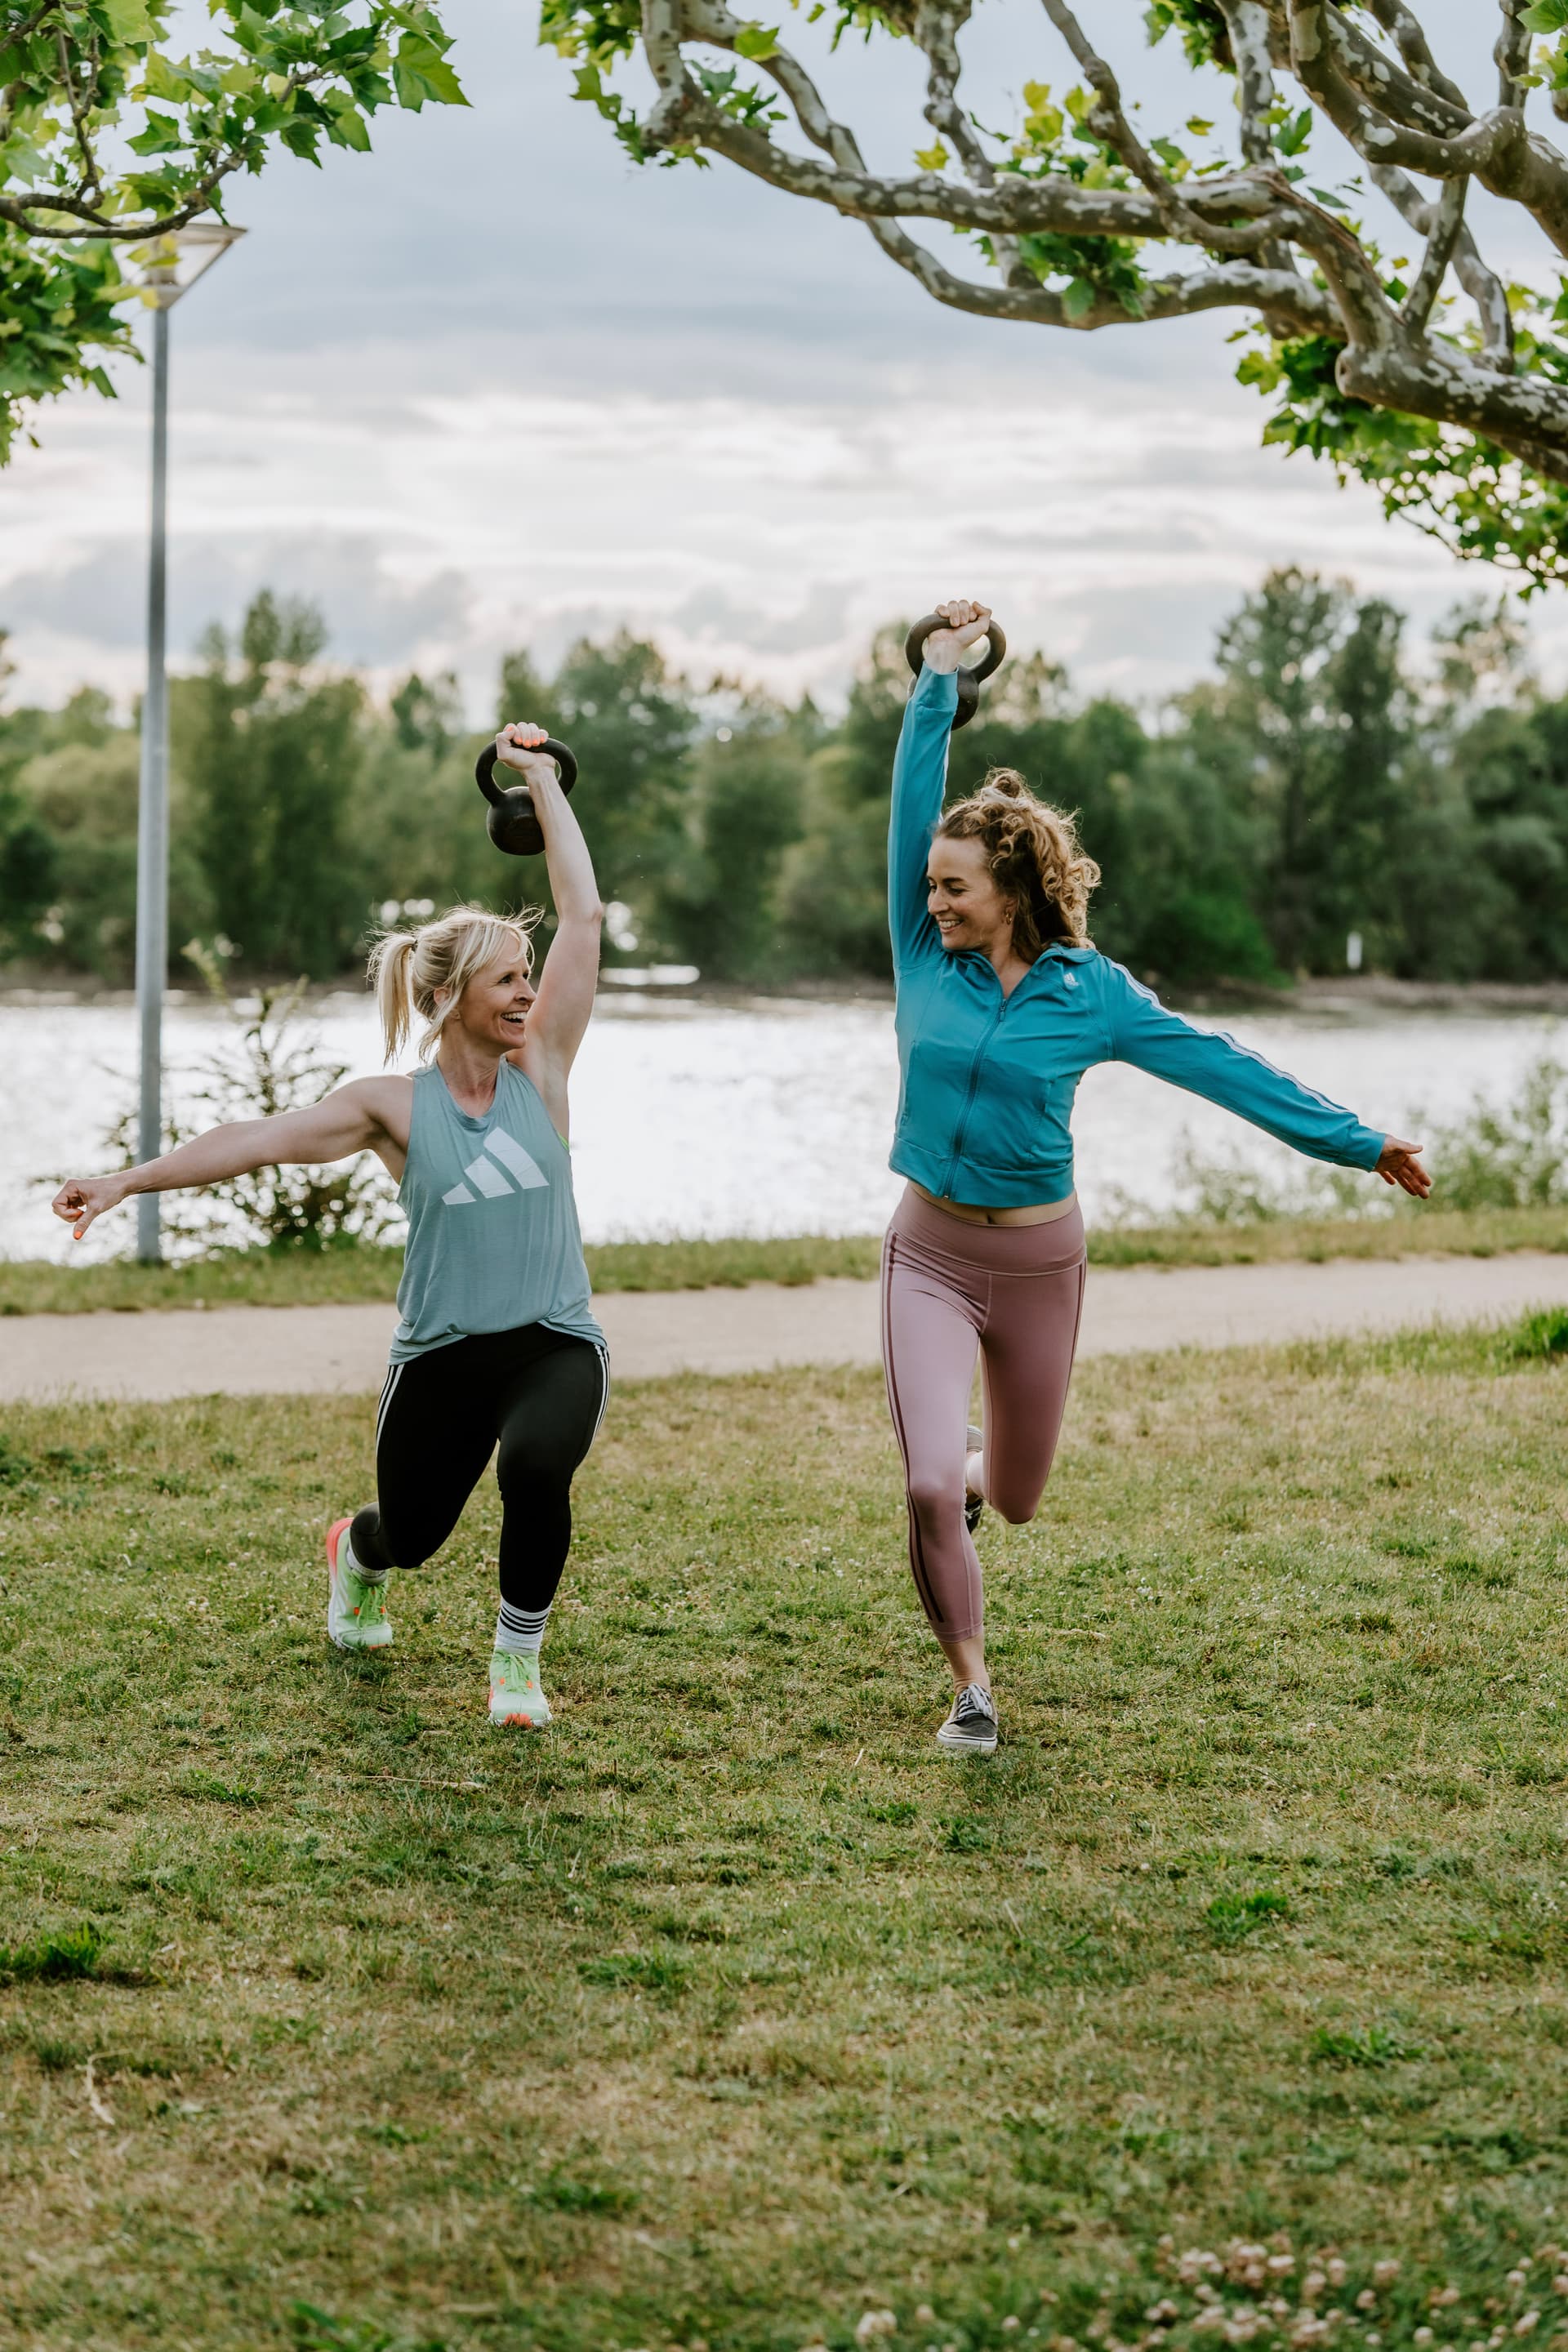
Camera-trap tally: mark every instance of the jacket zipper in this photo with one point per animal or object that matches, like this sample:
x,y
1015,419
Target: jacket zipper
x,y
963,1129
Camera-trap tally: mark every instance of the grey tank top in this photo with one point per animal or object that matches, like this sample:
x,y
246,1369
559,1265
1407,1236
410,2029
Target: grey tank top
x,y
493,1241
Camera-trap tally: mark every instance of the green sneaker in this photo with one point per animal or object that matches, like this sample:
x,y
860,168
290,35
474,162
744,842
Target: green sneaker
x,y
515,1693
356,1612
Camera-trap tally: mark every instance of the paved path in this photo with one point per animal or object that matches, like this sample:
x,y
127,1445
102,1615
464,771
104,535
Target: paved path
x,y
260,1350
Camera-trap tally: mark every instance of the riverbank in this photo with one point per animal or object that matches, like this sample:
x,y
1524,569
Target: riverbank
x,y
360,1275
1341,992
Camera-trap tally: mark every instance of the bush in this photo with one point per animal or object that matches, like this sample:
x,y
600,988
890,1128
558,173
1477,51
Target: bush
x,y
273,1064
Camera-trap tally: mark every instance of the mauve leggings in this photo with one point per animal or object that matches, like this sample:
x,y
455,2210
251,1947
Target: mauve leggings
x,y
1015,1293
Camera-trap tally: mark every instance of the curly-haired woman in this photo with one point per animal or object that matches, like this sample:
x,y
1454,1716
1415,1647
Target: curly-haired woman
x,y
1003,1003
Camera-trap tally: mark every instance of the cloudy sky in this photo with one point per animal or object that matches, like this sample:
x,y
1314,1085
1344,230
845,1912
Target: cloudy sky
x,y
492,386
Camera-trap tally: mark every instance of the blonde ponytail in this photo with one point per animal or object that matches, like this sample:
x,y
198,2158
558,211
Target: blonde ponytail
x,y
1036,857
409,970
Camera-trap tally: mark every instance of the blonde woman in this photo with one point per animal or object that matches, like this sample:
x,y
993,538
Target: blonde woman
x,y
497,1345
1003,1003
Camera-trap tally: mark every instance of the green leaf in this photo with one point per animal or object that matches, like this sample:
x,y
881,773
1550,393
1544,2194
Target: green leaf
x,y
931,159
127,20
1078,299
1293,136
756,42
1546,17
165,80
419,72
162,136
1199,128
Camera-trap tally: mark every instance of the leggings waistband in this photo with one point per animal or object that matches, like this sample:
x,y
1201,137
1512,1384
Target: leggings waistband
x,y
992,1249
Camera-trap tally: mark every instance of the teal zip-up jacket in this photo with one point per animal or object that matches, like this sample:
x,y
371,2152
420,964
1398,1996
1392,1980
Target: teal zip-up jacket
x,y
987,1081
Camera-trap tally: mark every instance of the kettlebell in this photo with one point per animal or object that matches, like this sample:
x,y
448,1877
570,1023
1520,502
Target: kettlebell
x,y
511,824
969,681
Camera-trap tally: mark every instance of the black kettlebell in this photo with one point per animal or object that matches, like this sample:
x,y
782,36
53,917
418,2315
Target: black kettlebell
x,y
969,681
511,824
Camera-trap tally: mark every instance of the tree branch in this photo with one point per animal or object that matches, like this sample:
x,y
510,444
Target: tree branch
x,y
1486,290
935,32
1403,98
1497,148
1448,220
89,181
1511,55
1247,21
1176,216
1412,44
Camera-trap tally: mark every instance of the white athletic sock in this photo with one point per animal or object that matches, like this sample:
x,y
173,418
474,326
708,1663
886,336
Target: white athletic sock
x,y
520,1631
348,1558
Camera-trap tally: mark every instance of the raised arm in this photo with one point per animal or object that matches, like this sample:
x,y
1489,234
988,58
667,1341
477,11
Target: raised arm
x,y
368,1114
919,778
1206,1061
559,1014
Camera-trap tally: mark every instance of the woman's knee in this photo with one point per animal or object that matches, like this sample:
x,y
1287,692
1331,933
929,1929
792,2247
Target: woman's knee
x,y
539,1474
1016,1505
935,1495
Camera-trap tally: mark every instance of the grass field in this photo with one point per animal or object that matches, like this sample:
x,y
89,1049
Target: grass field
x,y
255,1278
727,2012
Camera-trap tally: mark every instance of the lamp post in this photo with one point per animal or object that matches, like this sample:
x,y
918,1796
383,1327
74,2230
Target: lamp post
x,y
172,265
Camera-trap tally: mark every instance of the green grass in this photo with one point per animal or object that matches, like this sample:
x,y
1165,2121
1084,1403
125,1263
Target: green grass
x,y
728,2011
258,1278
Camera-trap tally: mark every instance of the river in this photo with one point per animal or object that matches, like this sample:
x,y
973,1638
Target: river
x,y
770,1116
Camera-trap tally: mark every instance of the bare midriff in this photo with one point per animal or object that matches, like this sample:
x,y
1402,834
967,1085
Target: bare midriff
x,y
1035,1213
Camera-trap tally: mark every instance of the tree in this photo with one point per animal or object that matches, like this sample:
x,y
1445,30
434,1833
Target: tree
x,y
271,748
1077,219
109,144
721,904
1308,724
834,883
631,724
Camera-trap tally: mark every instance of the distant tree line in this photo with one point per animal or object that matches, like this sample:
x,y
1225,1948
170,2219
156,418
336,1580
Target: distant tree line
x,y
1318,785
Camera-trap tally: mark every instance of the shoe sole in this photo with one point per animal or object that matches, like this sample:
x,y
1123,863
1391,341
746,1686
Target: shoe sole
x,y
520,1722
961,1743
337,1640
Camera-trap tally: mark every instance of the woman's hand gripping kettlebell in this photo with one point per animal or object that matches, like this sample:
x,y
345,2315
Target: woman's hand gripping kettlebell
x,y
967,623
516,747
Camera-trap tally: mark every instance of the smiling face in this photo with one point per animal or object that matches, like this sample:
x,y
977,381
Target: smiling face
x,y
492,1011
963,899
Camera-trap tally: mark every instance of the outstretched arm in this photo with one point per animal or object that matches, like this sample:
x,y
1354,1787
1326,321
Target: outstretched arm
x,y
559,1015
351,1118
920,777
1206,1061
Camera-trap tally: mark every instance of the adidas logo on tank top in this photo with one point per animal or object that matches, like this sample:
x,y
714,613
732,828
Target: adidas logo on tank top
x,y
487,1178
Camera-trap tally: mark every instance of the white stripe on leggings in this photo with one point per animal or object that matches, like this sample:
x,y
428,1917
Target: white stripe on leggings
x,y
394,1374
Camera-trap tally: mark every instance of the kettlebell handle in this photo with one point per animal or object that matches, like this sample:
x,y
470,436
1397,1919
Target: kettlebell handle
x,y
969,681
485,765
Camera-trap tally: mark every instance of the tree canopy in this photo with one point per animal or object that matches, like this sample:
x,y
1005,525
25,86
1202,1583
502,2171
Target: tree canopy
x,y
108,144
1424,373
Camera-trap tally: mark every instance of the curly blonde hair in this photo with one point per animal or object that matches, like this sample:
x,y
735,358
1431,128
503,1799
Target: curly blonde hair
x,y
1036,856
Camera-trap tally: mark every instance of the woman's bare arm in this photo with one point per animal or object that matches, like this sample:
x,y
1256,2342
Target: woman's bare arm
x,y
368,1114
559,1015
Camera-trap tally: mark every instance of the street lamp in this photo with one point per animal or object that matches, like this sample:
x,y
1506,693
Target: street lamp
x,y
170,267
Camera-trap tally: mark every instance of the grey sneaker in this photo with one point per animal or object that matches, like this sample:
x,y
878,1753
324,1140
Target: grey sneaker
x,y
973,1504
970,1728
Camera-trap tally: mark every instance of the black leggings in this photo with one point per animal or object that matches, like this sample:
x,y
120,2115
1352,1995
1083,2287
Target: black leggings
x,y
541,1395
